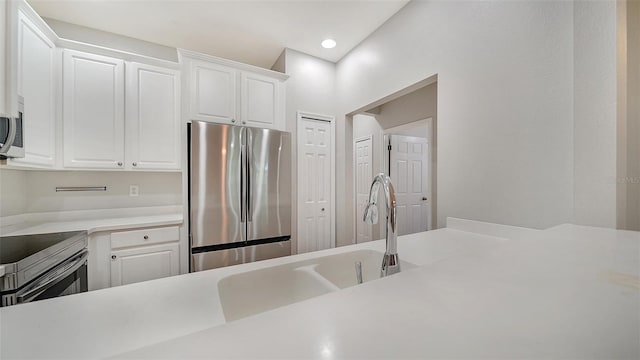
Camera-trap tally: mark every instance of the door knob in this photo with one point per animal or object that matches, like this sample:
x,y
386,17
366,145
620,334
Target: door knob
x,y
424,198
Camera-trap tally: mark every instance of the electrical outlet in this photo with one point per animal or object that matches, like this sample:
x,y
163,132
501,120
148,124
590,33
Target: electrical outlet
x,y
134,190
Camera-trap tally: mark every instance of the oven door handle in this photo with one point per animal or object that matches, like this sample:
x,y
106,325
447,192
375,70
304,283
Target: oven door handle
x,y
52,277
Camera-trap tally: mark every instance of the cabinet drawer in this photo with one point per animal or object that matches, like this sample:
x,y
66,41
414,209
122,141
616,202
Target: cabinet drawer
x,y
144,237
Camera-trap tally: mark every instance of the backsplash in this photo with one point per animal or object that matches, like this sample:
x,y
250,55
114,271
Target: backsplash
x,y
13,192
35,191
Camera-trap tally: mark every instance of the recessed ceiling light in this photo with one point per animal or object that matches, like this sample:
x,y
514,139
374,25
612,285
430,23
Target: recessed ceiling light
x,y
328,43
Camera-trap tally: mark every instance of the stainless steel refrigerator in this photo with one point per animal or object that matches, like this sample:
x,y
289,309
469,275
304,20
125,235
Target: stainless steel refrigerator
x,y
239,194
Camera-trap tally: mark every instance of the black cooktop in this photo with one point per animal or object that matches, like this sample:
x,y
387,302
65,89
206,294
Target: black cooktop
x,y
16,248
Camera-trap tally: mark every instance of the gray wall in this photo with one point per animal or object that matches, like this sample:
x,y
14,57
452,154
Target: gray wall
x,y
594,107
13,192
310,88
30,191
505,89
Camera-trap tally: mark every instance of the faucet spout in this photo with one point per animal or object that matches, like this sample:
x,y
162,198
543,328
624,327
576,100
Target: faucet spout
x,y
390,261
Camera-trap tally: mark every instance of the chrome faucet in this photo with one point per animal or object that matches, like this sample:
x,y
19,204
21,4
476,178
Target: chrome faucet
x,y
390,261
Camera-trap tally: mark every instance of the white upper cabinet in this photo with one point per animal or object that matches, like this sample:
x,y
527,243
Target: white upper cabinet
x,y
228,92
93,111
152,117
212,92
3,56
36,74
260,100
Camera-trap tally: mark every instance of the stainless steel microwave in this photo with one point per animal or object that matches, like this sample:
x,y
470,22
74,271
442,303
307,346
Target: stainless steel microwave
x,y
12,134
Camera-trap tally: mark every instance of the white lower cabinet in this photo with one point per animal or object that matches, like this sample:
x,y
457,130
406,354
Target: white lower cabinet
x,y
146,254
144,263
126,257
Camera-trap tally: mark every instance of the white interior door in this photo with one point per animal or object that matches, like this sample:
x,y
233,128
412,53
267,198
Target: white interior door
x,y
408,167
364,175
314,184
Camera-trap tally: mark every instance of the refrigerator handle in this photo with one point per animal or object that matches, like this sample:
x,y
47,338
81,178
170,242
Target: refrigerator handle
x,y
243,176
249,194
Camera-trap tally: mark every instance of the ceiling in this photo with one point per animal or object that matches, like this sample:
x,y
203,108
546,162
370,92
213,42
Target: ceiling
x,y
253,32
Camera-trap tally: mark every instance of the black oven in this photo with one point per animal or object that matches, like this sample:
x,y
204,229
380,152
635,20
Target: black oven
x,y
38,267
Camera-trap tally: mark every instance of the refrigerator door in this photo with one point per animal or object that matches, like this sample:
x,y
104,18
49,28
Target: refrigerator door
x,y
269,188
228,257
215,184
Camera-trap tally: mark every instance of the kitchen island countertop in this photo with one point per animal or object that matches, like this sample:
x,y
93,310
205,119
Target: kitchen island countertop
x,y
566,292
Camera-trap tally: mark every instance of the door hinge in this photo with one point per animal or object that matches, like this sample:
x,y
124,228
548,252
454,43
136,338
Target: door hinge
x,y
389,147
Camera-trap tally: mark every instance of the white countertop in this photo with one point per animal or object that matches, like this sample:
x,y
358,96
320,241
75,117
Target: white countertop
x,y
90,220
95,225
108,322
566,292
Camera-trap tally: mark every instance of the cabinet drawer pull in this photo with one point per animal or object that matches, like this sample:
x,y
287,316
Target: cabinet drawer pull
x,y
113,257
146,237
119,163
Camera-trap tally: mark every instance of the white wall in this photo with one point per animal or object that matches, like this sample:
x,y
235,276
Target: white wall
x,y
310,88
3,59
505,89
594,106
156,189
13,192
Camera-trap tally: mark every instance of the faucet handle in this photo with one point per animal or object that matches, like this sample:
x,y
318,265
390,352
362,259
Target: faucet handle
x,y
358,265
371,214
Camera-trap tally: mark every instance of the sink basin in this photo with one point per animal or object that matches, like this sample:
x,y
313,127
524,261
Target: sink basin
x,y
257,291
340,268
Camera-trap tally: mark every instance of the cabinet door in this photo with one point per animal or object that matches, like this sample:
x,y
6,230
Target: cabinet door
x,y
93,111
212,92
152,117
260,100
36,83
144,263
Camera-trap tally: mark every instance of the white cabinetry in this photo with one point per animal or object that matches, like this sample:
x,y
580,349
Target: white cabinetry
x,y
260,100
212,92
227,92
152,117
100,132
142,255
36,74
3,56
93,111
